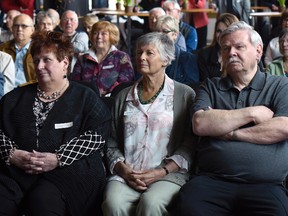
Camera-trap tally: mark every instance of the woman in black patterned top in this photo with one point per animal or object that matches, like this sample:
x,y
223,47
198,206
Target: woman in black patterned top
x,y
51,136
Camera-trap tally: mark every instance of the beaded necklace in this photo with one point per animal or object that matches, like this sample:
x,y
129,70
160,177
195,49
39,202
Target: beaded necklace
x,y
54,95
140,91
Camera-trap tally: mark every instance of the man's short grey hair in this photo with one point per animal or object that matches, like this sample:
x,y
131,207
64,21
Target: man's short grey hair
x,y
43,14
157,9
161,42
69,11
254,38
176,4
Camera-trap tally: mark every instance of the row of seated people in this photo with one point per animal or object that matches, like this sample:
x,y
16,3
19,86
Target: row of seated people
x,y
57,136
208,60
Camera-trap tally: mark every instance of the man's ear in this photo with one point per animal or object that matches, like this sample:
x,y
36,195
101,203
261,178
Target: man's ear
x,y
259,50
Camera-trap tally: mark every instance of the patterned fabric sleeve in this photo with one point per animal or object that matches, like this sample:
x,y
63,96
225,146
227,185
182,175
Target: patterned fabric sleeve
x,y
6,145
78,147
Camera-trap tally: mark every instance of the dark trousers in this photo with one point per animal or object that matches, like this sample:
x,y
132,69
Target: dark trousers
x,y
45,199
204,195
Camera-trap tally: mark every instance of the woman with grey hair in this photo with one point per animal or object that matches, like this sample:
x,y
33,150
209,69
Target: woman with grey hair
x,y
45,22
148,154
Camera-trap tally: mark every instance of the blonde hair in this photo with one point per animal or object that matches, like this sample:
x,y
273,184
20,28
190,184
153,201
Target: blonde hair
x,y
114,35
90,19
169,21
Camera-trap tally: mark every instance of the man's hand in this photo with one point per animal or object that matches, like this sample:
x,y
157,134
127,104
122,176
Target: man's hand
x,y
261,114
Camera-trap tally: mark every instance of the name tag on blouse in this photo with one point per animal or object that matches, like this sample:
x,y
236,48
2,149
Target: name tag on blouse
x,y
63,125
108,66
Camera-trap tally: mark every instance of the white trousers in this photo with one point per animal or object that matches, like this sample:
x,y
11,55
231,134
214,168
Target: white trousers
x,y
122,200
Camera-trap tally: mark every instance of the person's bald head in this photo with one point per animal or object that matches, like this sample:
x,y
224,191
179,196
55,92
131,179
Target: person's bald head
x,y
23,28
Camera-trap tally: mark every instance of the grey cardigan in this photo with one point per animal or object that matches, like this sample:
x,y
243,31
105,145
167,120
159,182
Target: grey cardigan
x,y
181,135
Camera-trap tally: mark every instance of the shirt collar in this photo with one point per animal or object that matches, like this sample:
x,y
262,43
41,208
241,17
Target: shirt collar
x,y
167,90
24,48
92,53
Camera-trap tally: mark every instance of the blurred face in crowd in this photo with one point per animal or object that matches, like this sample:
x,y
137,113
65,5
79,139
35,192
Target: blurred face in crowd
x,y
219,29
55,16
153,17
69,22
45,24
283,45
22,28
170,9
101,39
10,17
170,33
285,23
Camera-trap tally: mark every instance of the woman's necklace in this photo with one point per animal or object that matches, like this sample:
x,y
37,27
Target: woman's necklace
x,y
42,94
140,91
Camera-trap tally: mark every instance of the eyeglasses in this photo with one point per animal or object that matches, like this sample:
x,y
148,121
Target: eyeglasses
x,y
166,31
70,19
23,26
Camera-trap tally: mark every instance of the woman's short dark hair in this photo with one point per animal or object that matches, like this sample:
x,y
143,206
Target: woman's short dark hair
x,y
55,42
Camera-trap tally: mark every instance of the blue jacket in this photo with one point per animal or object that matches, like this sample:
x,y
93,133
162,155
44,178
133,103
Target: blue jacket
x,y
190,35
183,68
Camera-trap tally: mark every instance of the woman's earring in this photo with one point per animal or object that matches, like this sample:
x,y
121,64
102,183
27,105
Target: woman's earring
x,y
65,76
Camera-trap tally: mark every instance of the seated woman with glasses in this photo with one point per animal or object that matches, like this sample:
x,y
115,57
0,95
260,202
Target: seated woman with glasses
x,y
51,137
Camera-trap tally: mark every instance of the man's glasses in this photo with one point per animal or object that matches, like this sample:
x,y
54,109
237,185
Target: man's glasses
x,y
166,31
70,19
23,26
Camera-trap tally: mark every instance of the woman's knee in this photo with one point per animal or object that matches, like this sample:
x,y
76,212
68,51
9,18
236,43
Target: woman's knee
x,y
50,204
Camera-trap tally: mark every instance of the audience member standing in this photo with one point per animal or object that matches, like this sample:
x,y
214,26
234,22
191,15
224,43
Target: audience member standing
x,y
199,21
18,48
